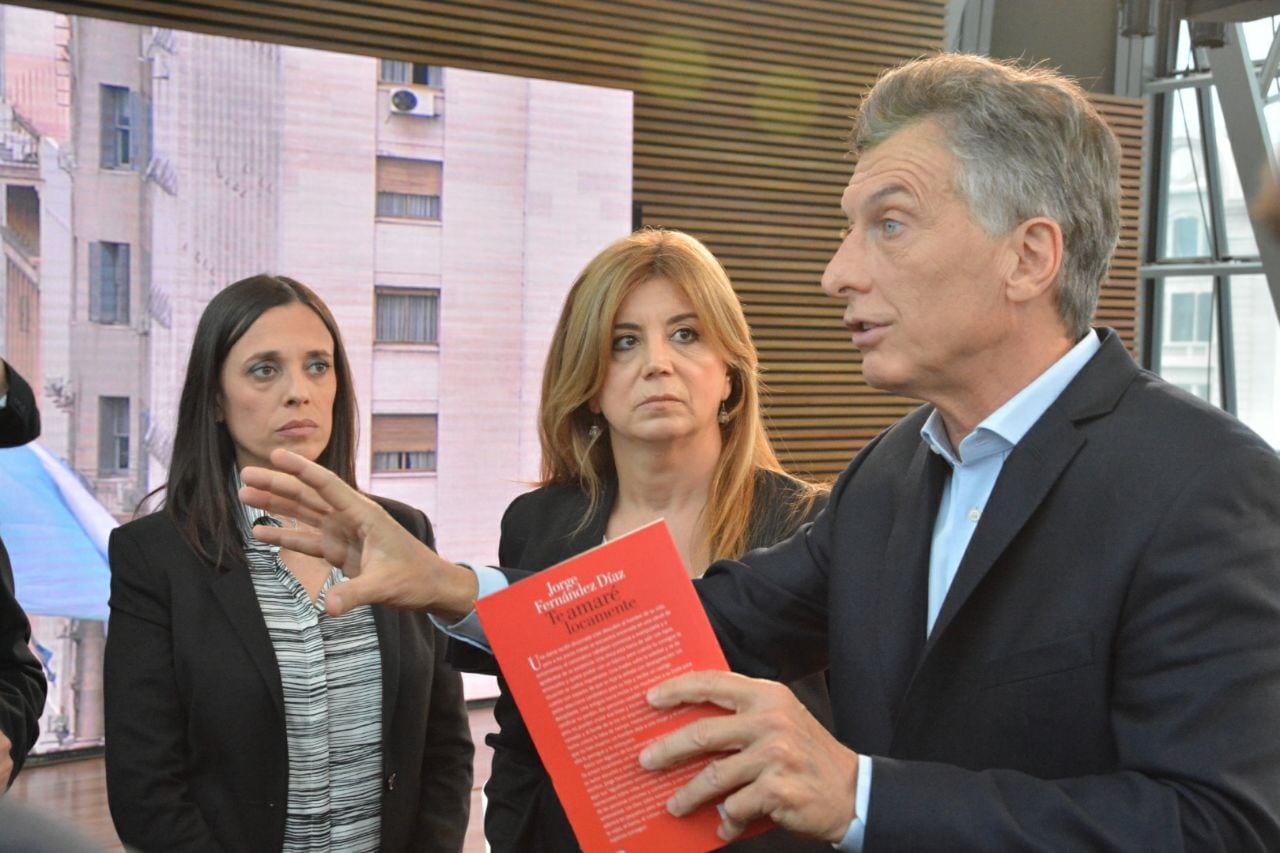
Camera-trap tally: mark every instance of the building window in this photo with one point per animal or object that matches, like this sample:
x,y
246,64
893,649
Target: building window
x,y
409,188
109,283
404,443
125,128
1188,237
1215,330
399,71
407,316
113,436
117,130
1190,317
408,205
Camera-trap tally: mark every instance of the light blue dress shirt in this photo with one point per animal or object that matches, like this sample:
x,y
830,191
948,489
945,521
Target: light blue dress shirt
x,y
977,463
975,467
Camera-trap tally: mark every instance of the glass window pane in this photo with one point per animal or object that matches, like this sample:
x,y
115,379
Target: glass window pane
x,y
1181,318
1240,240
1271,110
391,204
1188,238
427,75
1185,231
1255,341
406,317
1258,36
1184,58
113,436
1188,345
115,126
395,71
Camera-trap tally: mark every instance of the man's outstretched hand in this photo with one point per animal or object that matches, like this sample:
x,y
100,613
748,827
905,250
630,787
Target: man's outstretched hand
x,y
387,564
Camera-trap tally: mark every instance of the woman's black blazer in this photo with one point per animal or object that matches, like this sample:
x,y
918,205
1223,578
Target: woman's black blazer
x,y
196,751
541,528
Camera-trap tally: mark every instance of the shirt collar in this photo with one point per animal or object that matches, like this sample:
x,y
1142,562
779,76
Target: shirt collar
x,y
251,515
1006,426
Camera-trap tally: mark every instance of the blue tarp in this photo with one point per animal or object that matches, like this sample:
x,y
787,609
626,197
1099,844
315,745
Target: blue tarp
x,y
58,568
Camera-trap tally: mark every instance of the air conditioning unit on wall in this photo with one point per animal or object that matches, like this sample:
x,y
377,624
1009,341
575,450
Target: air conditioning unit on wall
x,y
410,103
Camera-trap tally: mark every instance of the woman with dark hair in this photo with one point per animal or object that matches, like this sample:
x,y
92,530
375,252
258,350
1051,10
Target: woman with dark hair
x,y
239,715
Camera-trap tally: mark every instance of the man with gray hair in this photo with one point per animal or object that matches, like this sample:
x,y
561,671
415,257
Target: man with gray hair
x,y
1048,600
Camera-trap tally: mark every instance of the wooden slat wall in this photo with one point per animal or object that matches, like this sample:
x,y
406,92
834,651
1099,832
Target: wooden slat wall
x,y
741,114
1118,304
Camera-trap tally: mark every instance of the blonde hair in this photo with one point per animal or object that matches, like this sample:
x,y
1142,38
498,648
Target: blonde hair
x,y
579,359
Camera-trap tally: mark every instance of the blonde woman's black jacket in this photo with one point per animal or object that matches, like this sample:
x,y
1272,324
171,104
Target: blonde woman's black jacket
x,y
540,528
196,750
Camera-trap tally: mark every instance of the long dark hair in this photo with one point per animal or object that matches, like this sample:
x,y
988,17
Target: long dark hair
x,y
200,492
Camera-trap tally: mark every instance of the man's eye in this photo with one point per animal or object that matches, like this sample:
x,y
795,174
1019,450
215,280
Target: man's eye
x,y
891,226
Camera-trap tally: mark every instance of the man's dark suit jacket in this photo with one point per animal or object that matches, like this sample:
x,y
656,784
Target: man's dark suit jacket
x,y
1105,671
196,751
541,528
22,684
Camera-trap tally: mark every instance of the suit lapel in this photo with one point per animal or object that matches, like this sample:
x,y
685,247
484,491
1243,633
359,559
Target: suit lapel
x,y
1032,468
1026,478
234,592
903,579
388,625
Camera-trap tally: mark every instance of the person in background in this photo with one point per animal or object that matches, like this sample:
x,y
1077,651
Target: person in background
x,y
22,681
239,716
1266,204
650,409
1049,598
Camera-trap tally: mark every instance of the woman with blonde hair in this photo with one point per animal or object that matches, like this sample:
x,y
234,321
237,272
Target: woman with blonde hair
x,y
650,409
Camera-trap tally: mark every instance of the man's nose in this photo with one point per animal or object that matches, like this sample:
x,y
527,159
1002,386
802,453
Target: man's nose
x,y
846,272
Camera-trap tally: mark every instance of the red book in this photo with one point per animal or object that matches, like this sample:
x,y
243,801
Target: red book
x,y
579,644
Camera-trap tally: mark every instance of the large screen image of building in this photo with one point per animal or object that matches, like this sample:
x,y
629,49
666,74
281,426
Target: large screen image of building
x,y
441,213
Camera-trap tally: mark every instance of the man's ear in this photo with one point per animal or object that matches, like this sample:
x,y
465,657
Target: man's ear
x,y
1036,245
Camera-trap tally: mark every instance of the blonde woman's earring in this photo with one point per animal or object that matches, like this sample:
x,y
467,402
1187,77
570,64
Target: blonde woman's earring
x,y
724,417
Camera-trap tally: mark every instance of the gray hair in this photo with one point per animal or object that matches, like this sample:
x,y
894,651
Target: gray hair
x,y
1028,143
